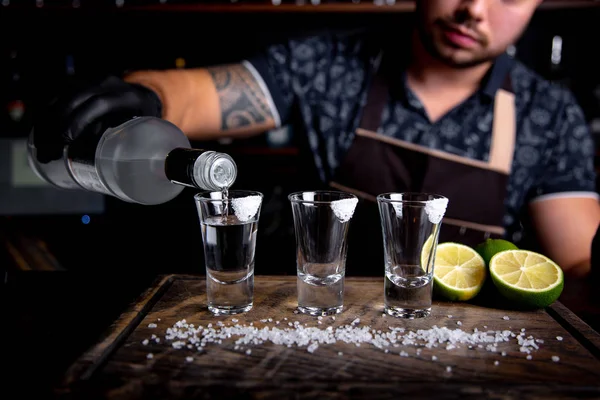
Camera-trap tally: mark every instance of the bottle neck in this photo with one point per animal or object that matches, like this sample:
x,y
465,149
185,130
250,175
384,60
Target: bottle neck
x,y
202,169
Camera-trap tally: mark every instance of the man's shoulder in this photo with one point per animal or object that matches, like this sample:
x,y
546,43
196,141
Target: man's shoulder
x,y
318,44
534,90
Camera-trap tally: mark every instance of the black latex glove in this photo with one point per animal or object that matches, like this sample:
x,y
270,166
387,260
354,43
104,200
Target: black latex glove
x,y
90,111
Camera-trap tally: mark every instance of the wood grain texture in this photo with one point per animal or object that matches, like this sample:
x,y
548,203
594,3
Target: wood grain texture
x,y
118,367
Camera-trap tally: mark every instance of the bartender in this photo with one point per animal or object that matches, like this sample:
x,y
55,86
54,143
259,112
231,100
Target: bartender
x,y
446,111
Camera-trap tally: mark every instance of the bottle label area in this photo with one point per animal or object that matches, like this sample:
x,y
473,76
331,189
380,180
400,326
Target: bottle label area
x,y
87,176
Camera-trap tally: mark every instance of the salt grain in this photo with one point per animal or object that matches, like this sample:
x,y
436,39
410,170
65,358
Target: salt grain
x,y
506,318
152,325
496,363
559,338
248,351
189,359
448,369
555,358
145,342
433,358
529,357
340,353
149,356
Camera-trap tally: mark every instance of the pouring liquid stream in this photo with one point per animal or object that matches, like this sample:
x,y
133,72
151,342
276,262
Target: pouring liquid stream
x,y
225,200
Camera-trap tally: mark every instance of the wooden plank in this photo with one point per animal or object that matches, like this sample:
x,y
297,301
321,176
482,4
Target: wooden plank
x,y
118,366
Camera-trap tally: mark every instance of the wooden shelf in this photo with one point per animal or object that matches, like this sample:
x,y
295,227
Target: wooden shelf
x,y
241,6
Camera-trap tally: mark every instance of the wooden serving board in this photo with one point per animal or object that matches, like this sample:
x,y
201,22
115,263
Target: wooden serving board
x,y
119,366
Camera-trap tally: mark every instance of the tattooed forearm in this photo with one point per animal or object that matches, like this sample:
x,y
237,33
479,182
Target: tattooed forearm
x,y
243,103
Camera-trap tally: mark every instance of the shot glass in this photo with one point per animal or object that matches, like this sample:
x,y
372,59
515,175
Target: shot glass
x,y
229,223
321,222
410,224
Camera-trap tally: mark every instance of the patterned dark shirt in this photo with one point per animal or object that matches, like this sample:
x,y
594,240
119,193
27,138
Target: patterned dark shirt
x,y
326,78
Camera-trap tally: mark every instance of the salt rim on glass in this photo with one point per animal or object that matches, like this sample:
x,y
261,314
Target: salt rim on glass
x,y
245,208
435,209
344,208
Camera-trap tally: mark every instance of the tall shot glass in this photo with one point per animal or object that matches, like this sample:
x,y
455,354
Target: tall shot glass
x,y
410,223
321,222
229,227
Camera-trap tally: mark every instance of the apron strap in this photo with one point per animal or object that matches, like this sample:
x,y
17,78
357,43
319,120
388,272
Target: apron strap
x,y
504,129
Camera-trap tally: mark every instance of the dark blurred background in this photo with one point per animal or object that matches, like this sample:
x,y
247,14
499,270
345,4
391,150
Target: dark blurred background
x,y
117,248
49,43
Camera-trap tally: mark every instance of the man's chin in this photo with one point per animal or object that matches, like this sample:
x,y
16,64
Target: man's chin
x,y
461,59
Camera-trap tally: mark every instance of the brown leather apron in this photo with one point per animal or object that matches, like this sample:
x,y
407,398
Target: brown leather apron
x,y
377,164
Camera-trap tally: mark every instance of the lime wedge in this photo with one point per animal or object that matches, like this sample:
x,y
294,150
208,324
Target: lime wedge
x,y
459,272
526,278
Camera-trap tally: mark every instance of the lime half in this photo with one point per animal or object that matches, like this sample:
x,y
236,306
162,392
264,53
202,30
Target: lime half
x,y
459,272
526,278
490,247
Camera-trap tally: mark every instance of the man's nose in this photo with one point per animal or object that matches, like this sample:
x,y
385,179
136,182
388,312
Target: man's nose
x,y
473,10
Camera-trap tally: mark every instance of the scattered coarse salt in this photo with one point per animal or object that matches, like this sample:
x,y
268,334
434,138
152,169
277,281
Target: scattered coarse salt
x,y
319,318
448,369
503,354
149,356
153,336
555,358
449,316
340,353
189,359
152,325
529,357
158,319
242,336
458,323
234,320
559,338
433,358
145,342
496,363
248,351
506,318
